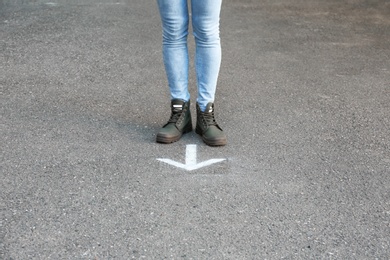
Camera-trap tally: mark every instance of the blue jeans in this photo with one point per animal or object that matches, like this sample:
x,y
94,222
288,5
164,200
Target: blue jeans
x,y
205,23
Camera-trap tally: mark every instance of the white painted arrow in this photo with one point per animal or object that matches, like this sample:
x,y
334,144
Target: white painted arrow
x,y
191,160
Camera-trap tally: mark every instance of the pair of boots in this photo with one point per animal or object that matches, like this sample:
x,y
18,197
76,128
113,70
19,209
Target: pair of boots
x,y
181,123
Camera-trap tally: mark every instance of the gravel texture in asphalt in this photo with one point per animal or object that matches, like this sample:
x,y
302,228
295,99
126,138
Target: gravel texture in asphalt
x,y
303,96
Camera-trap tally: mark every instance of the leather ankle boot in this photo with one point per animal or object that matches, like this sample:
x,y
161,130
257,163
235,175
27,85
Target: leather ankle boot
x,y
206,126
179,123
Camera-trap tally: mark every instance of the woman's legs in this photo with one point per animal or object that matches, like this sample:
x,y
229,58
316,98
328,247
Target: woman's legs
x,y
205,23
174,17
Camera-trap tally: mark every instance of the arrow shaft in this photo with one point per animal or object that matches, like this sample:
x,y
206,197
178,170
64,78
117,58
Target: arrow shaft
x,y
190,154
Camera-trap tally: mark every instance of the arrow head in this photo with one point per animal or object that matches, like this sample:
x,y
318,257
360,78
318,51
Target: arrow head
x,y
191,164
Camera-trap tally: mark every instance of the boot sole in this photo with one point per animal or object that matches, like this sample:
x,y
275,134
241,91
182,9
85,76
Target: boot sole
x,y
215,142
171,139
221,142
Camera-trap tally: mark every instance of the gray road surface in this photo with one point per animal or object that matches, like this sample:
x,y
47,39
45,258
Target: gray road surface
x,y
304,97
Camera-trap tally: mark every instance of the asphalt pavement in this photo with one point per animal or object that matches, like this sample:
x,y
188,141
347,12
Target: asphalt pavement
x,y
303,96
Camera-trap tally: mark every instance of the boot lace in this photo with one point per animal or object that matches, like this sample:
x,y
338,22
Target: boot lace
x,y
209,118
175,116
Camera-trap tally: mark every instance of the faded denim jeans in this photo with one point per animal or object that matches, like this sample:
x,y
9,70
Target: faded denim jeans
x,y
175,17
